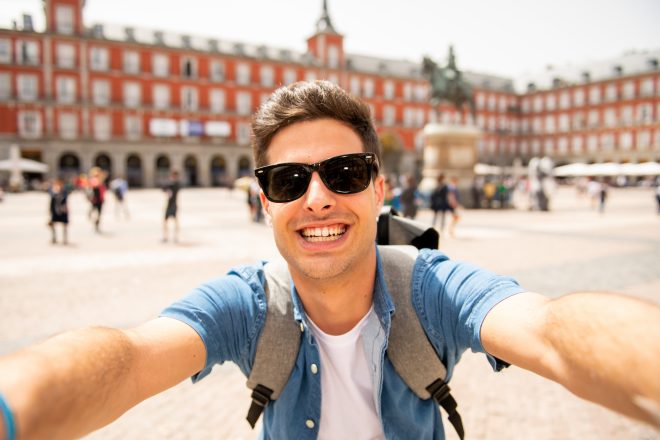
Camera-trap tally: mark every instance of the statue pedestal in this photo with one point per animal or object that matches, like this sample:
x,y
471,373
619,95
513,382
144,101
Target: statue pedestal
x,y
450,150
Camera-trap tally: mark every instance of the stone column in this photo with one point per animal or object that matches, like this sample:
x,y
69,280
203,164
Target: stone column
x,y
450,150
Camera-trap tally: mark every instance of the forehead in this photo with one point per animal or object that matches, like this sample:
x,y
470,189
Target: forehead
x,y
313,141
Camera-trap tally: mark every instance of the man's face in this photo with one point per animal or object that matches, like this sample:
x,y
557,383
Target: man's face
x,y
323,234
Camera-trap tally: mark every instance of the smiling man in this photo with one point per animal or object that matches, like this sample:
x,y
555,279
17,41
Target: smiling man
x,y
317,157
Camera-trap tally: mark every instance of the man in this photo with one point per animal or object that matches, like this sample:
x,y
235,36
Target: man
x,y
317,158
171,192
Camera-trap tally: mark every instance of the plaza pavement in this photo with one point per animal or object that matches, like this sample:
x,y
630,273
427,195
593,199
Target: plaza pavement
x,y
125,276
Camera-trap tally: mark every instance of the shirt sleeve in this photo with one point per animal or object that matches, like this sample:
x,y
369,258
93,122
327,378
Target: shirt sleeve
x,y
453,300
225,313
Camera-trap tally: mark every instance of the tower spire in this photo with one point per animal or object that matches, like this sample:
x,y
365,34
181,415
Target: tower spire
x,y
324,24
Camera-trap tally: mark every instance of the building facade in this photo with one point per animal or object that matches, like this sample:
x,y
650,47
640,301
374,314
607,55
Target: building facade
x,y
141,102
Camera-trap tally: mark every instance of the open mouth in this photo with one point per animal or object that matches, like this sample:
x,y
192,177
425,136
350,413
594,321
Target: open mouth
x,y
326,233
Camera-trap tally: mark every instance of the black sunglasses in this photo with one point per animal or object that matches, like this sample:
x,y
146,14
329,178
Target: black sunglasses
x,y
345,174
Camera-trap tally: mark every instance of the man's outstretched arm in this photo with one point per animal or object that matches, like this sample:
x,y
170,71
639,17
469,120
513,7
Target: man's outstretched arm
x,y
79,381
602,347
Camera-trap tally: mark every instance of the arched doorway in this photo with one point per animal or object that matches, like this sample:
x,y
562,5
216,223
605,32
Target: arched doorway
x,y
218,171
162,170
69,166
104,162
134,171
190,169
244,167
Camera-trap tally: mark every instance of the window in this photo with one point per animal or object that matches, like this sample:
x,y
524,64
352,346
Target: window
x,y
629,90
243,73
27,87
594,95
646,88
68,125
576,144
626,140
310,75
66,90
290,76
578,121
29,124
5,86
217,100
607,141
267,76
189,67
550,101
132,94
102,127
5,51
549,124
160,65
408,92
592,143
420,117
217,71
189,98
243,133
98,58
101,92
333,57
65,56
243,103
389,90
27,52
161,94
480,100
644,113
564,122
538,104
132,127
492,102
578,97
594,118
610,117
627,115
389,115
643,139
408,117
64,19
131,62
355,86
368,88
611,93
564,100
536,125
562,145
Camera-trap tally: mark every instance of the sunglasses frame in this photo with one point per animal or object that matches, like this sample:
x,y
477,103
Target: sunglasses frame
x,y
368,158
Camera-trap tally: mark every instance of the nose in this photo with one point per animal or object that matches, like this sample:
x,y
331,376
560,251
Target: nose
x,y
318,197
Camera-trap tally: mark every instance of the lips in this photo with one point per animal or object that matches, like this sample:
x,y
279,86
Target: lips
x,y
325,233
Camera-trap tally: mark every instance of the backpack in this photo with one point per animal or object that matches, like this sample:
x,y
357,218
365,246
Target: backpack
x,y
409,350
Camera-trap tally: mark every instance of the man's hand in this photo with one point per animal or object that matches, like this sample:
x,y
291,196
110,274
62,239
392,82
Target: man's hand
x,y
79,381
602,347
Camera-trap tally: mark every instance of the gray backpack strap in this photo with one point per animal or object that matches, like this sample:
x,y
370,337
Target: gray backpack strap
x,y
279,342
409,349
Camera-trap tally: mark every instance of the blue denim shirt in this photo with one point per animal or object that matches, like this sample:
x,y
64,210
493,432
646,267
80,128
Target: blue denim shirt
x,y
451,300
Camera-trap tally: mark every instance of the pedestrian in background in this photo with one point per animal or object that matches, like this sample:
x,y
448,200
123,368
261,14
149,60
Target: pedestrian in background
x,y
119,187
455,203
657,196
604,186
411,199
171,191
440,202
96,195
59,210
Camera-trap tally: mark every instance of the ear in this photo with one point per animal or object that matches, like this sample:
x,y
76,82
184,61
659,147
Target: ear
x,y
379,191
265,206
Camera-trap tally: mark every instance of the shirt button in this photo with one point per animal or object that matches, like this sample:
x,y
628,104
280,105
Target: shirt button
x,y
314,368
302,327
310,423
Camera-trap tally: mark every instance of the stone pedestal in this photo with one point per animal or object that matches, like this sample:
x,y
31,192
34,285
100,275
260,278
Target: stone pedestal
x,y
450,150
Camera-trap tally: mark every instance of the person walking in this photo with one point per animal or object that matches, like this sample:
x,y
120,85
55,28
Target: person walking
x,y
171,207
119,187
317,159
440,202
96,194
410,198
602,195
59,210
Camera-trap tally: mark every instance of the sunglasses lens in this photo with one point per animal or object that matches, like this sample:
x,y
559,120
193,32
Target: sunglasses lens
x,y
346,175
285,183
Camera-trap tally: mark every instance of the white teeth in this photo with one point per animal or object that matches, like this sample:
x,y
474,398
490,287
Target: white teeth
x,y
326,233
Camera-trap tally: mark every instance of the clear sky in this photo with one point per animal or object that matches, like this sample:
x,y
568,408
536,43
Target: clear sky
x,y
505,37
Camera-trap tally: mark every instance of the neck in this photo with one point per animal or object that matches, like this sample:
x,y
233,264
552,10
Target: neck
x,y
338,304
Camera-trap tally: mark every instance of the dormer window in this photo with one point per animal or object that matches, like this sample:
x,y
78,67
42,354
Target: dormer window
x,y
64,19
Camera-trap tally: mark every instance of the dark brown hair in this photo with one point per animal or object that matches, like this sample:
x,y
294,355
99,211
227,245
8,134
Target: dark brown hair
x,y
308,101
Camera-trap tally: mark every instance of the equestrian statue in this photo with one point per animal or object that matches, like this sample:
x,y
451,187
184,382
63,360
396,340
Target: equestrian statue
x,y
447,84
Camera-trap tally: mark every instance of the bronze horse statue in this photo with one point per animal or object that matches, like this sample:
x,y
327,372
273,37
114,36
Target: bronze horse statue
x,y
447,84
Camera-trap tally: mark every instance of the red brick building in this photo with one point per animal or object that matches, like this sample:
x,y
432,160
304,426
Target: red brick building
x,y
141,102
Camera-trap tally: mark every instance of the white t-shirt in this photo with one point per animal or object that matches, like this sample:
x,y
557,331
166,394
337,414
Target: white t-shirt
x,y
348,409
